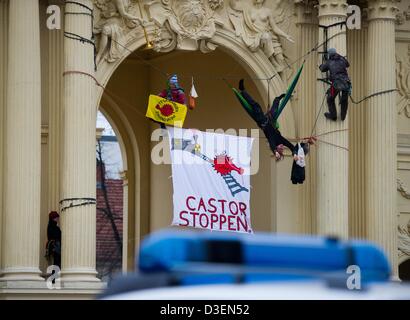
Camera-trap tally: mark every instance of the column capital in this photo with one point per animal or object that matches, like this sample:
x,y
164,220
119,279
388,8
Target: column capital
x,y
382,9
305,12
332,8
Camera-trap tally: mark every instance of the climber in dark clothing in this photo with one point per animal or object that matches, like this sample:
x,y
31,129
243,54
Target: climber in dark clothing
x,y
337,66
265,122
53,246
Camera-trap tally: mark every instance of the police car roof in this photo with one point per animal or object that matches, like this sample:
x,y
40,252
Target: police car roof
x,y
289,290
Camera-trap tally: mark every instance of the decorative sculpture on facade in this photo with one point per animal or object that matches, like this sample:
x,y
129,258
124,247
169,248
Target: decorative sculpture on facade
x,y
404,240
402,189
215,4
404,231
115,17
188,25
403,16
255,24
403,84
184,24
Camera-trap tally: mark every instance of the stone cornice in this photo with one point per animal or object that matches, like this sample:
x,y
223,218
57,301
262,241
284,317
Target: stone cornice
x,y
403,145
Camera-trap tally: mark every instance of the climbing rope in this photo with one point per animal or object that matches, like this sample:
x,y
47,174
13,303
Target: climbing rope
x,y
85,74
77,37
72,202
371,95
318,114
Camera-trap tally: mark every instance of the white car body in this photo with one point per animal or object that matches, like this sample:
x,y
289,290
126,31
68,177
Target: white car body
x,y
280,290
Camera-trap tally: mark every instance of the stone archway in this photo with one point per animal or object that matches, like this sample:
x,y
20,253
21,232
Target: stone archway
x,y
131,179
256,64
82,98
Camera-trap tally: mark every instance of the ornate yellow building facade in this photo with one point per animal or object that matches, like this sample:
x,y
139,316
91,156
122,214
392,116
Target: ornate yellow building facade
x,y
109,55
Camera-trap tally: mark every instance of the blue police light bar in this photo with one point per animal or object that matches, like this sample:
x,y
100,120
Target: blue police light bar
x,y
200,257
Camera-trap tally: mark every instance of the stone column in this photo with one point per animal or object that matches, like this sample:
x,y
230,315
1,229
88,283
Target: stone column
x,y
21,221
79,157
305,112
357,53
4,13
55,125
125,225
332,156
381,144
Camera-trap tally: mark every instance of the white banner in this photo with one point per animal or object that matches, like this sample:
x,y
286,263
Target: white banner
x,y
211,180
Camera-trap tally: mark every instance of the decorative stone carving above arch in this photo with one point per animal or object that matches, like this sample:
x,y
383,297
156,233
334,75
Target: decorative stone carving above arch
x,y
191,25
255,23
113,19
255,64
181,24
184,24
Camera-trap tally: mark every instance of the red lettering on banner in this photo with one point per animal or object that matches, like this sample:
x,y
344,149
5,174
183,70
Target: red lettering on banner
x,y
182,218
214,214
187,204
235,205
222,220
194,214
214,219
243,223
206,219
223,205
201,204
242,208
230,223
210,202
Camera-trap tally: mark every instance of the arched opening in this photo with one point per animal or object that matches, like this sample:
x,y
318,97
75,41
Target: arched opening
x,y
110,200
130,179
129,82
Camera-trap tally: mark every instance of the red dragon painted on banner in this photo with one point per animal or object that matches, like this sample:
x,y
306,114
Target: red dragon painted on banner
x,y
224,165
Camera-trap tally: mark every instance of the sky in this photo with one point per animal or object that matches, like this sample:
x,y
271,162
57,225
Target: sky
x,y
111,152
102,122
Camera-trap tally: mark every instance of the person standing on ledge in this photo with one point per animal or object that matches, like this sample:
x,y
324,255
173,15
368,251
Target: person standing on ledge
x,y
337,66
53,246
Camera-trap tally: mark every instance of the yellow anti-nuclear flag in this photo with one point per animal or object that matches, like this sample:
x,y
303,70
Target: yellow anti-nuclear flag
x,y
166,111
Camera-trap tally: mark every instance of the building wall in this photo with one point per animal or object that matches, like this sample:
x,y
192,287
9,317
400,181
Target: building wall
x,y
3,87
403,124
217,108
356,52
274,201
128,89
130,86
